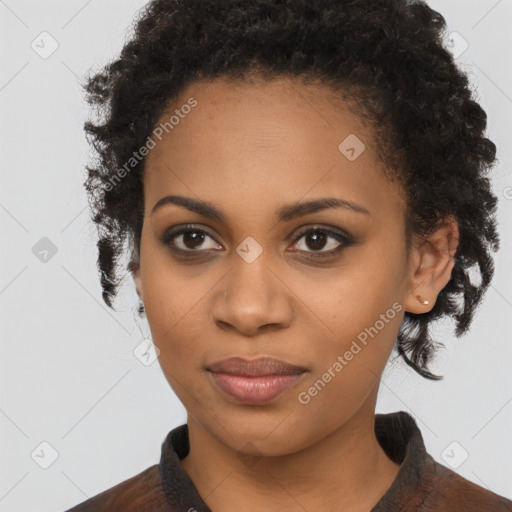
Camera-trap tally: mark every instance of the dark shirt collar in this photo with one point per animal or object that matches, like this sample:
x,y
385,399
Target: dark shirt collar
x,y
396,432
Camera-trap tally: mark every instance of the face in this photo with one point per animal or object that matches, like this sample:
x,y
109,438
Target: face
x,y
325,290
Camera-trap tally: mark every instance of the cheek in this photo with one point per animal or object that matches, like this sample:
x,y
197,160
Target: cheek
x,y
175,299
361,306
347,371
177,319
356,295
181,337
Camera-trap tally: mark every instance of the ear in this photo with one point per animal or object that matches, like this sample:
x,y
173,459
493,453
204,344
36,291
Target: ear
x,y
431,263
134,268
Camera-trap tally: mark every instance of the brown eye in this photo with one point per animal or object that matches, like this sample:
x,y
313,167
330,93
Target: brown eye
x,y
314,243
189,239
317,239
192,239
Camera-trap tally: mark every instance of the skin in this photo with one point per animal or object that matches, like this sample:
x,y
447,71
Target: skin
x,y
250,148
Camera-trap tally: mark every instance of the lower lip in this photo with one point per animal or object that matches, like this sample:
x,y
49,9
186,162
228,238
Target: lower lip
x,y
254,390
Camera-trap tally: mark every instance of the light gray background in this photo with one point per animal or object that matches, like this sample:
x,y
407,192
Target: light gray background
x,y
68,374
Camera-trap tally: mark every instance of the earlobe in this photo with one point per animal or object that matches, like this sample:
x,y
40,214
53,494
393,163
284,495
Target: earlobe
x,y
134,268
433,262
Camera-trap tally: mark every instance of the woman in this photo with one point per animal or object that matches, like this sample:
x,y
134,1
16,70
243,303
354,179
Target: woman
x,y
302,187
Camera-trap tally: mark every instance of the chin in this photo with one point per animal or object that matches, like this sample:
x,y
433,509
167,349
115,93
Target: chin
x,y
271,434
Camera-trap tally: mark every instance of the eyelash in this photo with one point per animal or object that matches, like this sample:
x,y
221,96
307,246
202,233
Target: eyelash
x,y
345,239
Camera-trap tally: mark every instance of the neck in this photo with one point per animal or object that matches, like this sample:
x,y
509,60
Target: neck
x,y
345,470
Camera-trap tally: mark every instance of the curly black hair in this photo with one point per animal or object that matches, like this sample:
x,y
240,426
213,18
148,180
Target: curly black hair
x,y
387,56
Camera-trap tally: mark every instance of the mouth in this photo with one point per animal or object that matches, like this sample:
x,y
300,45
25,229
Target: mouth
x,y
254,381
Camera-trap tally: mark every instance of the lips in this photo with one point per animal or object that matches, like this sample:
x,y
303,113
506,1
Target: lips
x,y
255,381
255,367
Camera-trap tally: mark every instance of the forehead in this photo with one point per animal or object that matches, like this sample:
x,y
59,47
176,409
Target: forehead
x,y
260,142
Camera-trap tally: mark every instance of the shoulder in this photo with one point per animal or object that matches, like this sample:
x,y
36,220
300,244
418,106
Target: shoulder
x,y
423,484
450,491
142,492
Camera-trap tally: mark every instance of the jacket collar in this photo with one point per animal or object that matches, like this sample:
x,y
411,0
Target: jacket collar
x,y
397,433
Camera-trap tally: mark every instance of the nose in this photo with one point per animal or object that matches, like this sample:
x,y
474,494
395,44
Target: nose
x,y
253,299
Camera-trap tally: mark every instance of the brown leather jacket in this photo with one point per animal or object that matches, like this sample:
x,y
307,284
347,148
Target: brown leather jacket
x,y
421,483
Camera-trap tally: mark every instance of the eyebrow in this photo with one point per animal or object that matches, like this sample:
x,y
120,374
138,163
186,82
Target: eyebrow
x,y
285,213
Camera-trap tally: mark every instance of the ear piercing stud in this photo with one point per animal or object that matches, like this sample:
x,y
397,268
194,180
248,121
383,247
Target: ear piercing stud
x,y
422,301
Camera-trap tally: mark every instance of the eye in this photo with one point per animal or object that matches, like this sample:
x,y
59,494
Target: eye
x,y
318,238
189,239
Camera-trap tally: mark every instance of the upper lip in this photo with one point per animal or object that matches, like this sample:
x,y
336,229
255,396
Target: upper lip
x,y
255,367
